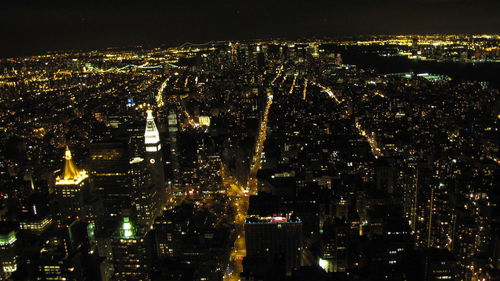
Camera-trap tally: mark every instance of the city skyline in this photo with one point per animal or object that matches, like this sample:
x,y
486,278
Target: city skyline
x,y
302,157
30,28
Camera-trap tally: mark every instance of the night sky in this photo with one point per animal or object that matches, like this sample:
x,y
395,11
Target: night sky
x,y
33,27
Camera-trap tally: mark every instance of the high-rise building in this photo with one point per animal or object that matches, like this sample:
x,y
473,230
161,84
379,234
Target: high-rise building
x,y
430,264
26,189
384,176
8,255
154,157
145,197
65,254
129,253
432,216
408,184
70,188
334,246
125,185
36,223
276,238
173,149
109,167
388,245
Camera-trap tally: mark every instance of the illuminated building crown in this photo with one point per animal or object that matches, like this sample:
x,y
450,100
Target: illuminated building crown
x,y
127,229
71,174
151,135
70,170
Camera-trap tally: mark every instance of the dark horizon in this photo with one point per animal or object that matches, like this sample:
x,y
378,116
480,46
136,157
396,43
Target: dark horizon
x,y
30,29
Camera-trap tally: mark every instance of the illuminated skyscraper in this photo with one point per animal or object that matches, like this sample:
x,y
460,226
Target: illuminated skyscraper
x,y
8,256
129,253
70,187
153,155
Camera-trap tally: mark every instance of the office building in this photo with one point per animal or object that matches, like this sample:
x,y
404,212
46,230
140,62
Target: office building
x,y
276,238
129,253
8,255
70,188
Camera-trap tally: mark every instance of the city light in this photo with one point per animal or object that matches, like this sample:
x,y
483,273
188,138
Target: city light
x,y
250,160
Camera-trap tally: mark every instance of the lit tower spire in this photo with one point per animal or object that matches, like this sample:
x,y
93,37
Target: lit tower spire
x,y
151,135
70,170
70,174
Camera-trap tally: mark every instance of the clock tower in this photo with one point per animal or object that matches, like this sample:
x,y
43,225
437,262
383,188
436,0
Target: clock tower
x,y
154,157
